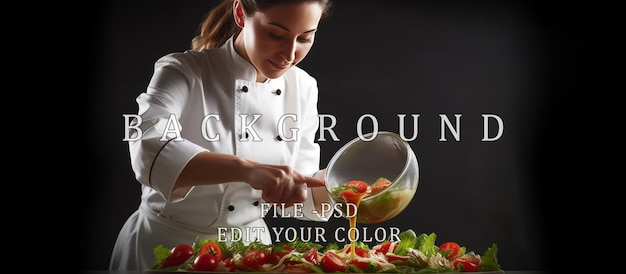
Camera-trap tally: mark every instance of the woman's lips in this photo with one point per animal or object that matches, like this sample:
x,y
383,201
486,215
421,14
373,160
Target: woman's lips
x,y
277,66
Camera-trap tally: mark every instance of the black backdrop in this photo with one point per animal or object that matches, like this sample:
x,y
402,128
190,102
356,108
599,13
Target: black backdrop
x,y
382,58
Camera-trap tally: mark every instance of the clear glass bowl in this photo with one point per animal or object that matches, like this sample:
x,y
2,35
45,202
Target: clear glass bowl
x,y
388,156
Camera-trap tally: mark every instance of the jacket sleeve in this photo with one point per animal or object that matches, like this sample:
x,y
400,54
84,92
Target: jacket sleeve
x,y
308,157
160,154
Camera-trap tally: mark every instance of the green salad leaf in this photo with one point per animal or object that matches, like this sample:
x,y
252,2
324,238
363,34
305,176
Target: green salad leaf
x,y
426,244
408,239
490,259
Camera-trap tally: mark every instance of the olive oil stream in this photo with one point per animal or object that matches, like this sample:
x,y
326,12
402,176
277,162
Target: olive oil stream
x,y
356,200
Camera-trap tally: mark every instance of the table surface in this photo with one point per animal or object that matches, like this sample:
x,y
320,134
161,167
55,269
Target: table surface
x,y
141,272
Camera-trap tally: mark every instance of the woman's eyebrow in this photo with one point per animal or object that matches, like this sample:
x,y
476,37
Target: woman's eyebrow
x,y
287,29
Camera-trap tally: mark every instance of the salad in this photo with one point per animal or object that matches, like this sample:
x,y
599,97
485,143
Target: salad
x,y
380,206
358,186
411,254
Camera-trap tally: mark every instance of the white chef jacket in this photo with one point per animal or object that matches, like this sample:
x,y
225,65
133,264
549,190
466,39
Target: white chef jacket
x,y
244,115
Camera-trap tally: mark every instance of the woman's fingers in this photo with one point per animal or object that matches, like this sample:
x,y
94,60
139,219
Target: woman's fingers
x,y
281,184
309,181
299,193
288,192
313,182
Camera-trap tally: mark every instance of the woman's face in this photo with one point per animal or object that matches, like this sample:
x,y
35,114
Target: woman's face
x,y
277,38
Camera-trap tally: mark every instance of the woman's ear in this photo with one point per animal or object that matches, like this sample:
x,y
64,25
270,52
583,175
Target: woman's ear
x,y
238,13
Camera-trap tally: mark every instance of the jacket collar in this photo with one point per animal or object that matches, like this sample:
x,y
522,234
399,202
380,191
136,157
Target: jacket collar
x,y
240,67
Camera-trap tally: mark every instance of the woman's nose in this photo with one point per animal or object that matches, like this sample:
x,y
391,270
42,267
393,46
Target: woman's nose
x,y
289,50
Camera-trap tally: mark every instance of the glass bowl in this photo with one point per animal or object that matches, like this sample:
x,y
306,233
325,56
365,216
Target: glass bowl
x,y
386,155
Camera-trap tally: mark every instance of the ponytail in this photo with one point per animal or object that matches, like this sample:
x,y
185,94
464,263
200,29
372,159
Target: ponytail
x,y
219,25
217,28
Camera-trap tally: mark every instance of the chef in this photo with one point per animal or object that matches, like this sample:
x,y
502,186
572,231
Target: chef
x,y
224,128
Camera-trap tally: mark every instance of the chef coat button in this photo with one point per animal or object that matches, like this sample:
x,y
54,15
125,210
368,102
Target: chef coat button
x,y
278,92
279,138
231,208
245,136
256,203
244,89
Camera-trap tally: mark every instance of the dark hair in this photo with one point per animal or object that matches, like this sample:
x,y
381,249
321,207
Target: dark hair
x,y
219,24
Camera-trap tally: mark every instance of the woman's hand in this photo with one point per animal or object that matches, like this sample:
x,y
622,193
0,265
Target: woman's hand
x,y
281,184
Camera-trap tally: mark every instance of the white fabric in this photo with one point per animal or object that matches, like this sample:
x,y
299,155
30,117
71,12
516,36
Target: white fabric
x,y
192,85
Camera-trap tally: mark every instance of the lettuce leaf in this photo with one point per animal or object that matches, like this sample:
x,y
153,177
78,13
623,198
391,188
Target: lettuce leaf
x,y
490,259
426,244
408,239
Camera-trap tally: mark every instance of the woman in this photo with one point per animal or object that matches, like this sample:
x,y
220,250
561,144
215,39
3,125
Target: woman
x,y
225,128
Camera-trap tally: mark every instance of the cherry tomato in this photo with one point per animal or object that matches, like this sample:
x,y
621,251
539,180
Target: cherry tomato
x,y
384,248
379,185
312,256
205,262
229,263
387,248
466,263
359,264
212,248
277,254
363,253
351,197
360,186
254,259
450,250
331,262
179,255
394,257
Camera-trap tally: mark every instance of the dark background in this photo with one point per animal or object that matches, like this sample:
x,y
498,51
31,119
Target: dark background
x,y
516,59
